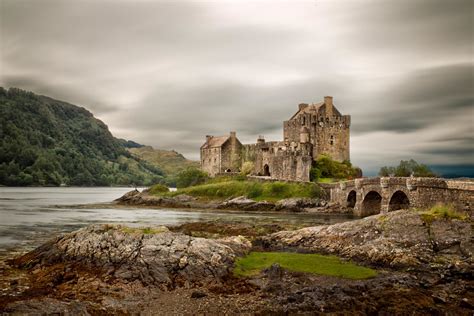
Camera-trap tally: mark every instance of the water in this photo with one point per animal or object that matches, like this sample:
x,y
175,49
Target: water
x,y
30,216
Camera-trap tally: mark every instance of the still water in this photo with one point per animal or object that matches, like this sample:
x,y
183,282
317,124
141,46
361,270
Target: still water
x,y
30,216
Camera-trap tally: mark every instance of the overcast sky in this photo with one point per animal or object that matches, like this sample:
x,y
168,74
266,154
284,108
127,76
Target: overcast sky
x,y
167,73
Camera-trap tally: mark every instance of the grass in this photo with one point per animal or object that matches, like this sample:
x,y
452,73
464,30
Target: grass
x,y
441,211
259,191
327,180
253,263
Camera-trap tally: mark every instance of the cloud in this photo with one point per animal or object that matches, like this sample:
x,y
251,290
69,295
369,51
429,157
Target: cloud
x,y
168,73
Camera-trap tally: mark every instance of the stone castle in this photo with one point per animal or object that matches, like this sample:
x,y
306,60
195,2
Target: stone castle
x,y
313,130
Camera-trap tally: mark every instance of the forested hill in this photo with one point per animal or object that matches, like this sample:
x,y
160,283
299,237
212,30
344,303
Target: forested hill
x,y
50,142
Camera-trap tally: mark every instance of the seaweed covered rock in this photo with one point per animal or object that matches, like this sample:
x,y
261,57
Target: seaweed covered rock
x,y
154,257
400,238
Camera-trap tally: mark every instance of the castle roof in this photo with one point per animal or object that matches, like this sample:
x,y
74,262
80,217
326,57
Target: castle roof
x,y
312,109
215,141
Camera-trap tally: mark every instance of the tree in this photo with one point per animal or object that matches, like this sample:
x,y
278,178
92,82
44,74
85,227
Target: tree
x,y
190,177
326,167
407,168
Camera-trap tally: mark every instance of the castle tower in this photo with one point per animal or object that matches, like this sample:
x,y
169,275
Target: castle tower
x,y
329,130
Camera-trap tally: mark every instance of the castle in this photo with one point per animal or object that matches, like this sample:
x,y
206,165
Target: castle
x,y
313,130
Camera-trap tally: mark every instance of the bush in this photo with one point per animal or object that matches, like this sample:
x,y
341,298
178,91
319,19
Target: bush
x,y
406,168
325,167
247,168
158,188
190,177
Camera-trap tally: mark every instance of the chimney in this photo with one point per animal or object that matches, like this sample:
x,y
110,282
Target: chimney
x,y
233,134
208,138
328,102
301,106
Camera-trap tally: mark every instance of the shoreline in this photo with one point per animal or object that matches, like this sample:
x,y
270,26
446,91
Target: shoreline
x,y
241,203
92,269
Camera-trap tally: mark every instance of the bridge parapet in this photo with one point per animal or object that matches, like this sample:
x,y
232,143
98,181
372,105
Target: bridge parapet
x,y
393,192
460,185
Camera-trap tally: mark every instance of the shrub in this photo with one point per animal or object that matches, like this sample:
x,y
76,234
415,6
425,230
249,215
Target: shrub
x,y
190,177
247,168
406,168
325,167
158,188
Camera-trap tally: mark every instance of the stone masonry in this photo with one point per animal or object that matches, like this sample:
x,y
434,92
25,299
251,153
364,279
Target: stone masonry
x,y
374,195
313,130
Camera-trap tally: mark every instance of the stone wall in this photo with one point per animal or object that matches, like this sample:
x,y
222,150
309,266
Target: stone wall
x,y
420,193
211,160
231,155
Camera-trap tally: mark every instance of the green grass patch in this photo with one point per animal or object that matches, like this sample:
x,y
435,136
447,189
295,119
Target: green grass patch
x,y
441,211
255,262
326,180
259,191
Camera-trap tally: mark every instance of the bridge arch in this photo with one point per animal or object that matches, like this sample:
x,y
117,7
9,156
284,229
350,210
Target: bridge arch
x,y
372,203
398,201
351,199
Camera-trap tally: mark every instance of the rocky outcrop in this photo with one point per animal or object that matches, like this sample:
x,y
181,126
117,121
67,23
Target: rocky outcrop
x,y
246,204
145,199
297,204
398,238
165,259
239,203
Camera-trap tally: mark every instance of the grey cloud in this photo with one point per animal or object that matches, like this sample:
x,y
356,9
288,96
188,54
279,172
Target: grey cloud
x,y
423,98
167,73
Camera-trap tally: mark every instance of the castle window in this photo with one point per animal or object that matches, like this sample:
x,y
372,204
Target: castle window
x,y
332,142
304,120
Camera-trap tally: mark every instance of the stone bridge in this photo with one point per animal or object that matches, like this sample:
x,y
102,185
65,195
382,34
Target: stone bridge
x,y
368,196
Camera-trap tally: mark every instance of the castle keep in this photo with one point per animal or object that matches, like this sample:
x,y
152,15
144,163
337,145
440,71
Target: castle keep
x,y
313,130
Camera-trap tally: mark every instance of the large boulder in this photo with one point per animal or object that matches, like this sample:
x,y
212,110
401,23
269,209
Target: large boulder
x,y
400,238
154,257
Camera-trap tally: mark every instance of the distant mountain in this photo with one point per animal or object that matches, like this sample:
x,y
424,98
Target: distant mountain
x,y
49,142
171,162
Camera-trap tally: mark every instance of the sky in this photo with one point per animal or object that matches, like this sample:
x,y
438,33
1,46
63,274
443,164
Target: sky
x,y
167,73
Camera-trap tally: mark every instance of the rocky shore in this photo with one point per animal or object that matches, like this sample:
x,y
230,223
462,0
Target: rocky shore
x,y
241,203
424,267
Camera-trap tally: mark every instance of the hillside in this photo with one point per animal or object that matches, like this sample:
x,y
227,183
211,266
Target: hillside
x,y
49,142
171,162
